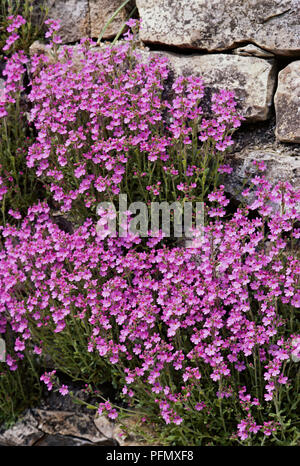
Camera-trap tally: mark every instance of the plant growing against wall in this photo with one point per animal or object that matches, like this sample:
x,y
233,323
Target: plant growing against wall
x,y
200,341
205,337
18,186
105,127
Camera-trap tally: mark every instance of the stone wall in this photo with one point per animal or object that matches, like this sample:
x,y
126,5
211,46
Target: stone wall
x,y
250,46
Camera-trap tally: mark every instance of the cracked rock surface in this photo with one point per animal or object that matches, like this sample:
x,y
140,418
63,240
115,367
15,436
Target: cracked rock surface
x,y
251,78
43,427
287,103
218,25
58,421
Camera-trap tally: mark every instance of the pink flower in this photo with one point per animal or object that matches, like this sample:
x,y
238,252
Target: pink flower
x,y
200,406
64,390
112,414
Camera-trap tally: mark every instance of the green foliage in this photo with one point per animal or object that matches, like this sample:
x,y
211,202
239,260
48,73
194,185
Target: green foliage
x,y
68,353
15,138
125,4
67,349
16,135
29,32
19,389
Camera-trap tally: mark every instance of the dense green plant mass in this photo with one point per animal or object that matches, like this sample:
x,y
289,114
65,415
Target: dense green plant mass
x,y
105,127
19,389
18,187
204,335
200,342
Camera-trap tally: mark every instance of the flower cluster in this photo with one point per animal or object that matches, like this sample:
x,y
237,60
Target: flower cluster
x,y
3,188
12,117
224,107
13,72
215,309
47,378
108,409
53,27
188,330
104,125
248,426
15,22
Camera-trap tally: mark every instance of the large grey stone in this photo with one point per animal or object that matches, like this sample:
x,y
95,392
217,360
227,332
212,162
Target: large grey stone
x,y
123,435
101,12
24,433
57,440
216,25
287,104
68,423
74,18
252,79
48,427
280,167
251,50
105,426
